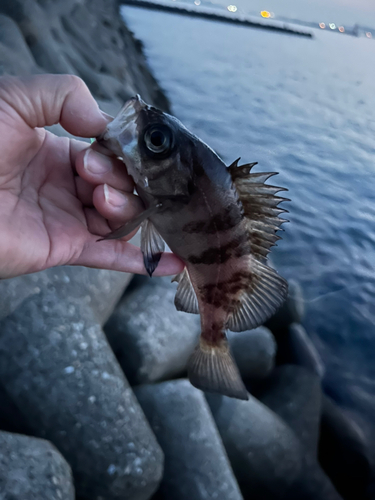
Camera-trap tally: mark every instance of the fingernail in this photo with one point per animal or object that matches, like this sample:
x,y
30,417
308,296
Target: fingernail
x,y
108,117
96,163
113,197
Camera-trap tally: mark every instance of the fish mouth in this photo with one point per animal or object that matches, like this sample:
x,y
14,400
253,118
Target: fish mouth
x,y
136,102
131,109
121,132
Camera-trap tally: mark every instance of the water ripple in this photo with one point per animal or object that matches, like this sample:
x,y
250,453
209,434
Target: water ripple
x,y
307,110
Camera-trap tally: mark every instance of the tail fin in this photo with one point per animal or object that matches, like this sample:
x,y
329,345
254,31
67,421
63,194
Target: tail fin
x,y
213,369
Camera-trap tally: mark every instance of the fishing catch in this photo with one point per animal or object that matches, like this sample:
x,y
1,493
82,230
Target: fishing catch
x,y
221,221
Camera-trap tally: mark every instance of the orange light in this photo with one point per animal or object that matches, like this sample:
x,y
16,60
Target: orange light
x,y
341,29
265,13
322,25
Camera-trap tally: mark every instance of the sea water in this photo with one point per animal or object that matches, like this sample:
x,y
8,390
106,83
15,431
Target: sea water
x,y
304,108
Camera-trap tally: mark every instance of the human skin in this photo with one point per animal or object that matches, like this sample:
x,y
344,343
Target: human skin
x,y
49,215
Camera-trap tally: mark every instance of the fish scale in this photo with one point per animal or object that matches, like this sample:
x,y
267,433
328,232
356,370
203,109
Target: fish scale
x,y
221,221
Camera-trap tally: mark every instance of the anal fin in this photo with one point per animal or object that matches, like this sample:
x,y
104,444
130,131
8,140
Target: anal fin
x,y
185,299
212,368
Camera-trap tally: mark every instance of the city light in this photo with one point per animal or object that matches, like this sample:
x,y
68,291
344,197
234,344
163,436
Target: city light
x,y
232,8
341,29
322,25
369,34
265,13
332,26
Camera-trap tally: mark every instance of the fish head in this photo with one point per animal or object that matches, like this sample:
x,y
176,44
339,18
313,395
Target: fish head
x,y
155,147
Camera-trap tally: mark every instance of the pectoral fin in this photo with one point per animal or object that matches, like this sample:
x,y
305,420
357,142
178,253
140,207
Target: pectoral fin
x,y
130,226
152,246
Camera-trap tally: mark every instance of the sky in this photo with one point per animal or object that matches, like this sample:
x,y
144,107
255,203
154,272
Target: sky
x,y
336,11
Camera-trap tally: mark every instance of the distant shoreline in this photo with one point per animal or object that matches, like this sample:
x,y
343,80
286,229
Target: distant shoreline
x,y
209,14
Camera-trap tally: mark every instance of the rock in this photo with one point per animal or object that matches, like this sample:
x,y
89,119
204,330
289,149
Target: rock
x,y
292,311
11,419
151,339
293,343
353,391
32,468
196,464
302,351
88,39
264,452
295,395
312,483
294,346
96,289
53,329
56,365
12,42
254,352
343,452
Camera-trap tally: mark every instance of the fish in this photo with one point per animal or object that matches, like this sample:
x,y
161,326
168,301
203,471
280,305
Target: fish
x,y
221,221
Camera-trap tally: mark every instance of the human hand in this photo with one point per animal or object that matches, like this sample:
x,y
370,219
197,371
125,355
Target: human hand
x,y
50,216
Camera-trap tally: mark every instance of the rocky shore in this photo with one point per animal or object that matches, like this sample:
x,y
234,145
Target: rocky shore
x,y
94,401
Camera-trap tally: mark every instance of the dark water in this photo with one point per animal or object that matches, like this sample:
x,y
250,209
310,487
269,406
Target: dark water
x,y
304,108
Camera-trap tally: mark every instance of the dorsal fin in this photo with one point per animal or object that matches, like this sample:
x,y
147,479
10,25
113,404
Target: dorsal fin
x,y
260,205
240,171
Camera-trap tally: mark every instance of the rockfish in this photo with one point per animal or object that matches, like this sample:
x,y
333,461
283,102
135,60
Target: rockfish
x,y
221,221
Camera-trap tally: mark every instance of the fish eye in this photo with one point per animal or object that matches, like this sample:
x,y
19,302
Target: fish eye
x,y
158,140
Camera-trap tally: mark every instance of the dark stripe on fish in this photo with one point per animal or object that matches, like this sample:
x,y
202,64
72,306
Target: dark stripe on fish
x,y
217,223
198,167
235,248
239,278
221,294
214,335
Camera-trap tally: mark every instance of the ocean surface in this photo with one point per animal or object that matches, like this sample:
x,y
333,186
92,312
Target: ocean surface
x,y
304,108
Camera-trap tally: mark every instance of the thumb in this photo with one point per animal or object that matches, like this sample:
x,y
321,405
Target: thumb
x,y
42,100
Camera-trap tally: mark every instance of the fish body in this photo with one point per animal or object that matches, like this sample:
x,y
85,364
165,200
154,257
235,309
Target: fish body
x,y
221,221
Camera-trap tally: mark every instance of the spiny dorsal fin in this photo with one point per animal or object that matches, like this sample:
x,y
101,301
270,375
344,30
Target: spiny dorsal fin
x,y
265,293
240,171
152,246
213,369
185,299
260,205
